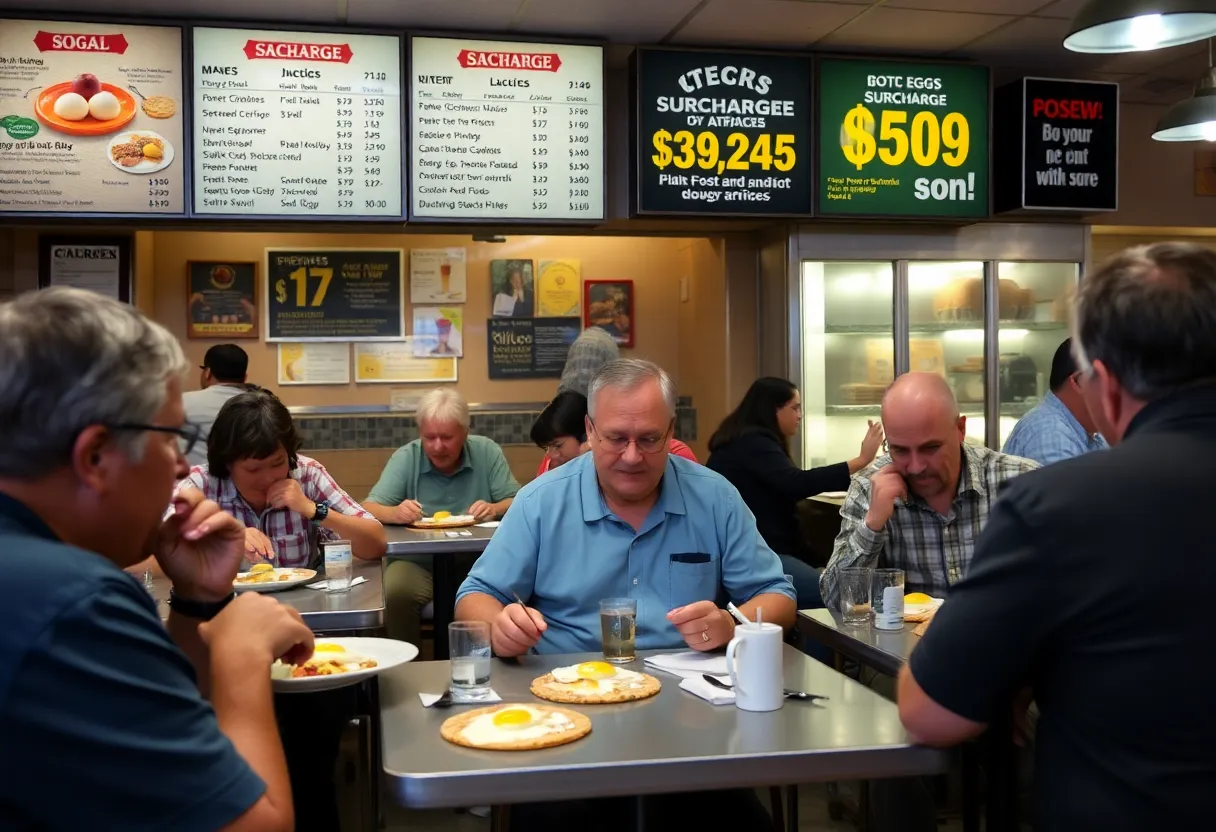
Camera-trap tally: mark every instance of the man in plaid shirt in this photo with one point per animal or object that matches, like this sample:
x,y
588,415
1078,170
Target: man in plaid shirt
x,y
921,506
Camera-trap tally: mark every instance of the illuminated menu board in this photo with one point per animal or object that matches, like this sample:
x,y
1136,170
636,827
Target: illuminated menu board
x,y
297,123
506,130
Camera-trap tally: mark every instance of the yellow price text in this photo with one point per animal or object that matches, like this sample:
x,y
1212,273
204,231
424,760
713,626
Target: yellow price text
x,y
924,139
300,278
704,150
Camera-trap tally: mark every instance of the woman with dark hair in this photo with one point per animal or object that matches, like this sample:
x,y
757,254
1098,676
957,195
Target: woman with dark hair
x,y
751,448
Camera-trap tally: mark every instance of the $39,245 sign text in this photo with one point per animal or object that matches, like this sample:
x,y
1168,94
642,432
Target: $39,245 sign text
x,y
334,295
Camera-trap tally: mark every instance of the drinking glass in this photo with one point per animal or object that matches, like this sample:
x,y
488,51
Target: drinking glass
x,y
887,599
339,563
618,626
469,648
855,595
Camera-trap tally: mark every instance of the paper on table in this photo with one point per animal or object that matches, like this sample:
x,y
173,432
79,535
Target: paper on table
x,y
713,695
429,699
325,584
489,524
690,663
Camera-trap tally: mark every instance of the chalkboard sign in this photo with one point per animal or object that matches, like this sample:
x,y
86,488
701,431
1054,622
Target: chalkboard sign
x,y
342,294
529,347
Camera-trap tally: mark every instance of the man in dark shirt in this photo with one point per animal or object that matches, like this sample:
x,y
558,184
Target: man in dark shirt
x,y
102,724
1088,584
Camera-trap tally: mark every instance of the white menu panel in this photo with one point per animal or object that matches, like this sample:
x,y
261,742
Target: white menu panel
x,y
506,131
297,123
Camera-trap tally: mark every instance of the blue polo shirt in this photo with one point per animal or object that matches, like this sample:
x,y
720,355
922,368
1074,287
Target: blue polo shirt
x,y
101,723
563,550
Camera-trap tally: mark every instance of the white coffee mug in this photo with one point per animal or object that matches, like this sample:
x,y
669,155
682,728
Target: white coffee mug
x,y
754,662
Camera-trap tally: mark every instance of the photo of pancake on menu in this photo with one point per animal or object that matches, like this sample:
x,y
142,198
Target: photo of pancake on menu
x,y
90,118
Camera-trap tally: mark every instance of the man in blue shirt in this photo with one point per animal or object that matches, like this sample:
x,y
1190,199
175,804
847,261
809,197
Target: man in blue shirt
x,y
628,521
1060,427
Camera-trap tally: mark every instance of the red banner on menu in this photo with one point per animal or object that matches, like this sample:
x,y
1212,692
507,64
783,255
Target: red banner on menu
x,y
280,50
539,61
62,42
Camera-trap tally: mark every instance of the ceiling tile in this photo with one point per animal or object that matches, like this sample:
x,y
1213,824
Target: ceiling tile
x,y
629,21
767,22
1066,9
300,11
912,31
1014,7
1140,63
1033,44
486,15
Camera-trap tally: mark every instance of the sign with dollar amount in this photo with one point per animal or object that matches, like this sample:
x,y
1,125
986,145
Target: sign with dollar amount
x,y
345,294
723,133
903,139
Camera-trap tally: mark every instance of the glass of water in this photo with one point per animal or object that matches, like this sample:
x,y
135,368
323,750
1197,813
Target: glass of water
x,y
618,625
469,648
339,563
855,595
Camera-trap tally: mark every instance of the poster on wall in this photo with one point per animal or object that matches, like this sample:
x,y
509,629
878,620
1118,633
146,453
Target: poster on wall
x,y
311,363
1056,146
559,289
512,289
437,275
342,294
91,118
394,362
724,133
609,306
438,331
97,264
221,300
518,348
902,139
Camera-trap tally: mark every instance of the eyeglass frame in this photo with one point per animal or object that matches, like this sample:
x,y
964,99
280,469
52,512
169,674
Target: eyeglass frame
x,y
660,441
189,432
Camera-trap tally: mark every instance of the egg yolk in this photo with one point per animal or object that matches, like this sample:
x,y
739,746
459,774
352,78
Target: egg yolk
x,y
258,568
442,515
585,684
325,647
917,598
595,670
151,151
512,718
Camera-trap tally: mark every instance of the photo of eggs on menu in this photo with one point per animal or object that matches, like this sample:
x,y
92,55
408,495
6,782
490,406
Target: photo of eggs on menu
x,y
90,118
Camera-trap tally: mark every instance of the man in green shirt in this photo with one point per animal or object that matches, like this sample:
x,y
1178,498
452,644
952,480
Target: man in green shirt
x,y
445,469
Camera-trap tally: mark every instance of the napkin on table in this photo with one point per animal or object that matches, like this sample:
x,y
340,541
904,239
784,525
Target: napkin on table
x,y
711,694
325,584
689,663
489,524
429,699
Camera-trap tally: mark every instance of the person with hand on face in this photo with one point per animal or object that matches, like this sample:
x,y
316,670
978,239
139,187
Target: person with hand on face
x,y
444,469
100,700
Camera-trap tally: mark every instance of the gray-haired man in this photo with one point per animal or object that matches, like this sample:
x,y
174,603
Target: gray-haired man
x,y
97,701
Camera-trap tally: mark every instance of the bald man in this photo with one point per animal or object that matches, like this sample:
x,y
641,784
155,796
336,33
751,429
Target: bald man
x,y
921,506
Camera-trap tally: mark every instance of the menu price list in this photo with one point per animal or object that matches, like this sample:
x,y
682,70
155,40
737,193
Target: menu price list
x,y
293,123
507,130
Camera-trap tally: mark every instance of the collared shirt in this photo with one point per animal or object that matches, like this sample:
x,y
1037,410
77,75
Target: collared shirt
x,y
409,475
202,406
97,702
934,551
294,536
563,550
1050,433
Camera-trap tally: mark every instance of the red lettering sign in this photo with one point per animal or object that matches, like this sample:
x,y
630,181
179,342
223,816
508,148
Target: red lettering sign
x,y
283,51
538,61
77,42
1076,108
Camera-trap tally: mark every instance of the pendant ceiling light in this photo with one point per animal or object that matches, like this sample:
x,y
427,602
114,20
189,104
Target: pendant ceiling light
x,y
1192,120
1139,25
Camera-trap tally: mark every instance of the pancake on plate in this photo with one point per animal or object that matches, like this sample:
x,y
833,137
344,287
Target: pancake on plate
x,y
594,683
515,727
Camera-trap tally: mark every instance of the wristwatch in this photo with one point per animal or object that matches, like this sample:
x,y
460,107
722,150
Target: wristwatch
x,y
322,512
202,610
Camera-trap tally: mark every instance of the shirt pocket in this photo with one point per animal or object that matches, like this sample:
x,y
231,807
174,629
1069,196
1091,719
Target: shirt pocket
x,y
690,581
293,550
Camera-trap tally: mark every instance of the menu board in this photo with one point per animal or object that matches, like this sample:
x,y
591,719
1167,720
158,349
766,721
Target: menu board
x,y
723,133
903,139
297,124
506,131
90,118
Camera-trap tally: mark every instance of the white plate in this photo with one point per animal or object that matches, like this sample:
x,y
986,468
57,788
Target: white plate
x,y
147,165
455,519
305,575
917,609
386,651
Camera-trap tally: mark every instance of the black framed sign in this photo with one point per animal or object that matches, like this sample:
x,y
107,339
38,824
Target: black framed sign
x,y
334,294
529,347
98,264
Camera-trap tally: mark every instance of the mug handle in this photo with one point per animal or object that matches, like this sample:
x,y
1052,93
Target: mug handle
x,y
731,650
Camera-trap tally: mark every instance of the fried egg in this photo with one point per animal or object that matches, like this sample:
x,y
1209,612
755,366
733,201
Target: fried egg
x,y
917,598
514,723
595,677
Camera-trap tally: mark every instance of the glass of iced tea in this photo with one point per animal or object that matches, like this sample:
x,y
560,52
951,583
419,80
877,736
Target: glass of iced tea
x,y
618,625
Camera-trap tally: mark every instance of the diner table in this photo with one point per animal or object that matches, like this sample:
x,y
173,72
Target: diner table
x,y
673,742
444,547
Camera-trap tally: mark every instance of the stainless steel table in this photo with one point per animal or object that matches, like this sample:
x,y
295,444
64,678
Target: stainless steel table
x,y
884,650
446,574
673,742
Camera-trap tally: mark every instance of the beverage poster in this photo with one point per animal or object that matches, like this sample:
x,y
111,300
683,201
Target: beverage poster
x,y
437,275
438,331
512,289
221,300
559,289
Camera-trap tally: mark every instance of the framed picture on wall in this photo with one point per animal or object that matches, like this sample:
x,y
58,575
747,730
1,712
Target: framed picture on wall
x,y
608,304
512,289
221,299
98,264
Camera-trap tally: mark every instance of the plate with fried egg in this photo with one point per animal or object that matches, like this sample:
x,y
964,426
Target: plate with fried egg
x,y
338,662
263,577
918,606
594,683
444,520
505,727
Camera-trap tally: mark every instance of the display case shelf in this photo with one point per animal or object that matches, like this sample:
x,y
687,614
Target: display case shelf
x,y
952,326
1015,410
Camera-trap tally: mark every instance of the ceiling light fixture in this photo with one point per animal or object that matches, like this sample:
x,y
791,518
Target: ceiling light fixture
x,y
1105,26
1193,120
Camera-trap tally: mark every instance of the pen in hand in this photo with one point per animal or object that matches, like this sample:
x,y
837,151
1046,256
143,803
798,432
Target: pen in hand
x,y
524,606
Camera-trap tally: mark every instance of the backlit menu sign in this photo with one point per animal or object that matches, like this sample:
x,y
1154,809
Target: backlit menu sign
x,y
91,118
723,133
506,130
297,123
903,139
1056,145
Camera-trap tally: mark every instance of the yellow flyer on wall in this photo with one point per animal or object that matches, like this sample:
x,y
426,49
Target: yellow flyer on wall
x,y
314,363
559,289
394,362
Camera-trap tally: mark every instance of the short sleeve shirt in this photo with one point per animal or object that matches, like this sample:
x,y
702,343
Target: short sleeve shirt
x,y
101,722
483,475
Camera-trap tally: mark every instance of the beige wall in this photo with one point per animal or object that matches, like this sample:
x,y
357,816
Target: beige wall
x,y
703,338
